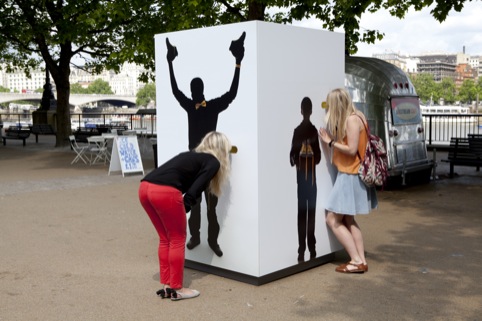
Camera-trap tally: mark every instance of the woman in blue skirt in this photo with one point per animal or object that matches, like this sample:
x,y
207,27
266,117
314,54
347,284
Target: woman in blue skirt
x,y
345,134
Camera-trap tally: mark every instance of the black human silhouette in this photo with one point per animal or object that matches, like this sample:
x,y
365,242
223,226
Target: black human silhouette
x,y
202,118
306,154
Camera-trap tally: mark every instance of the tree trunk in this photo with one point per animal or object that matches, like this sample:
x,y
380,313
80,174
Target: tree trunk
x,y
256,11
60,72
64,127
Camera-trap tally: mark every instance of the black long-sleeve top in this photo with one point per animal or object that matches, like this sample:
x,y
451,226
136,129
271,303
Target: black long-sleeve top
x,y
189,172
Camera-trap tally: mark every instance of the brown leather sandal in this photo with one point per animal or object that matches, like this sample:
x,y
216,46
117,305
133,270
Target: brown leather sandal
x,y
359,268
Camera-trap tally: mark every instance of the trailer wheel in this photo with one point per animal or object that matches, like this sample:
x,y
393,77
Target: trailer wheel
x,y
421,177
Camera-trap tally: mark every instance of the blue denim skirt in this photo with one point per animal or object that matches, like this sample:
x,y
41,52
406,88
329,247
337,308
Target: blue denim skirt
x,y
351,196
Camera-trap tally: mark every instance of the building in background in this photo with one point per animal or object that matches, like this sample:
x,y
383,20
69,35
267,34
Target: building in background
x,y
404,62
476,64
464,72
439,69
459,67
126,82
18,81
3,77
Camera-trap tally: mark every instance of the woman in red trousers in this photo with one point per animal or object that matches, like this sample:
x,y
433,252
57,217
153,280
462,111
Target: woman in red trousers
x,y
168,193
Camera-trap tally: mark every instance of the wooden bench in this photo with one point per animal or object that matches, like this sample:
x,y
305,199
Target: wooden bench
x,y
14,132
41,129
464,152
475,144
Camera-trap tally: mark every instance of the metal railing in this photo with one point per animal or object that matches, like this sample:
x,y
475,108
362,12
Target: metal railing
x,y
16,118
132,121
439,128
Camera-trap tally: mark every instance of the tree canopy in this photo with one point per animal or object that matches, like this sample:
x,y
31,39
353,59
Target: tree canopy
x,y
346,14
58,33
430,91
98,86
104,34
468,91
426,87
146,94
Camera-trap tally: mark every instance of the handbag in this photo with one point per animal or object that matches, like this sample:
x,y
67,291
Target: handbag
x,y
373,170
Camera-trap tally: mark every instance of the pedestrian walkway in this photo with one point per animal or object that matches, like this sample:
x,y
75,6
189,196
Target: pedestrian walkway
x,y
76,245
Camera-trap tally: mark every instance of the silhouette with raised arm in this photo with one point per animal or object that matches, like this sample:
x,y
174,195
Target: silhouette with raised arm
x,y
202,118
306,154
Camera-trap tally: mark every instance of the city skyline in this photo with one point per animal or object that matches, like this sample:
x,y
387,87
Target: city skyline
x,y
125,82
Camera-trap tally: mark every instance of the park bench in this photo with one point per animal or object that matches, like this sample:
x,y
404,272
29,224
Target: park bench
x,y
103,128
14,132
118,128
465,152
41,129
110,127
82,133
475,144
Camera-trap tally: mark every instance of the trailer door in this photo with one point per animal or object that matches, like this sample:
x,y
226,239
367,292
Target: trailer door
x,y
406,133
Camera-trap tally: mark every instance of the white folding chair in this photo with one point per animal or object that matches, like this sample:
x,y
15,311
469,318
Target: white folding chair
x,y
79,150
129,133
142,137
109,143
97,149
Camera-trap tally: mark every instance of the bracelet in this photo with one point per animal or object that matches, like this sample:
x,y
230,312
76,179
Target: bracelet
x,y
330,143
238,65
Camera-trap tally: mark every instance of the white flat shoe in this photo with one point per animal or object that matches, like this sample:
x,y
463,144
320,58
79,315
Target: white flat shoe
x,y
176,296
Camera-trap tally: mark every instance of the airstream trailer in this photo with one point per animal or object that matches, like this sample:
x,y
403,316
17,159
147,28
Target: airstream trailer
x,y
385,94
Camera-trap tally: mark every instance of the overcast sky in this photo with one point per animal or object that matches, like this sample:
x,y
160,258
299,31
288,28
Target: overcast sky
x,y
420,33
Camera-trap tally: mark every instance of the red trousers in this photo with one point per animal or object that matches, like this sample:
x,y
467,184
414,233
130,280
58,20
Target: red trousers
x,y
165,207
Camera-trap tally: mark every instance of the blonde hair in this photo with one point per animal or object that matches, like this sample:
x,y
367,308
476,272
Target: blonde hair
x,y
340,106
218,145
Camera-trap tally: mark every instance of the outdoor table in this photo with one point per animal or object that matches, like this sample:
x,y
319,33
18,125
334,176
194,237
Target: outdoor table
x,y
98,149
129,132
142,137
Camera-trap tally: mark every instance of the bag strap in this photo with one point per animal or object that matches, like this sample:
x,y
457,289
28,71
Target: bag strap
x,y
367,129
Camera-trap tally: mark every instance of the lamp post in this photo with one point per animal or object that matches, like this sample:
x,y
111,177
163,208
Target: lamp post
x,y
477,104
48,104
48,99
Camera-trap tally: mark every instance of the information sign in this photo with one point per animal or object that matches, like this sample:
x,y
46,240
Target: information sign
x,y
126,156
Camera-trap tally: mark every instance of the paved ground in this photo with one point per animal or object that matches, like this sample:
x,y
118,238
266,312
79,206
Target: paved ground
x,y
76,245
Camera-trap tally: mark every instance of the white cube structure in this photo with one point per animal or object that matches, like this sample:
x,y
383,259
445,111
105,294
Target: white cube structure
x,y
257,212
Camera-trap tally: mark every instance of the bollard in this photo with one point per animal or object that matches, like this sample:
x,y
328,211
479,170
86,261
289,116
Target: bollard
x,y
154,148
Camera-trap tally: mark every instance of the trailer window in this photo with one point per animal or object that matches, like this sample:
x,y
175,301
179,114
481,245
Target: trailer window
x,y
405,110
